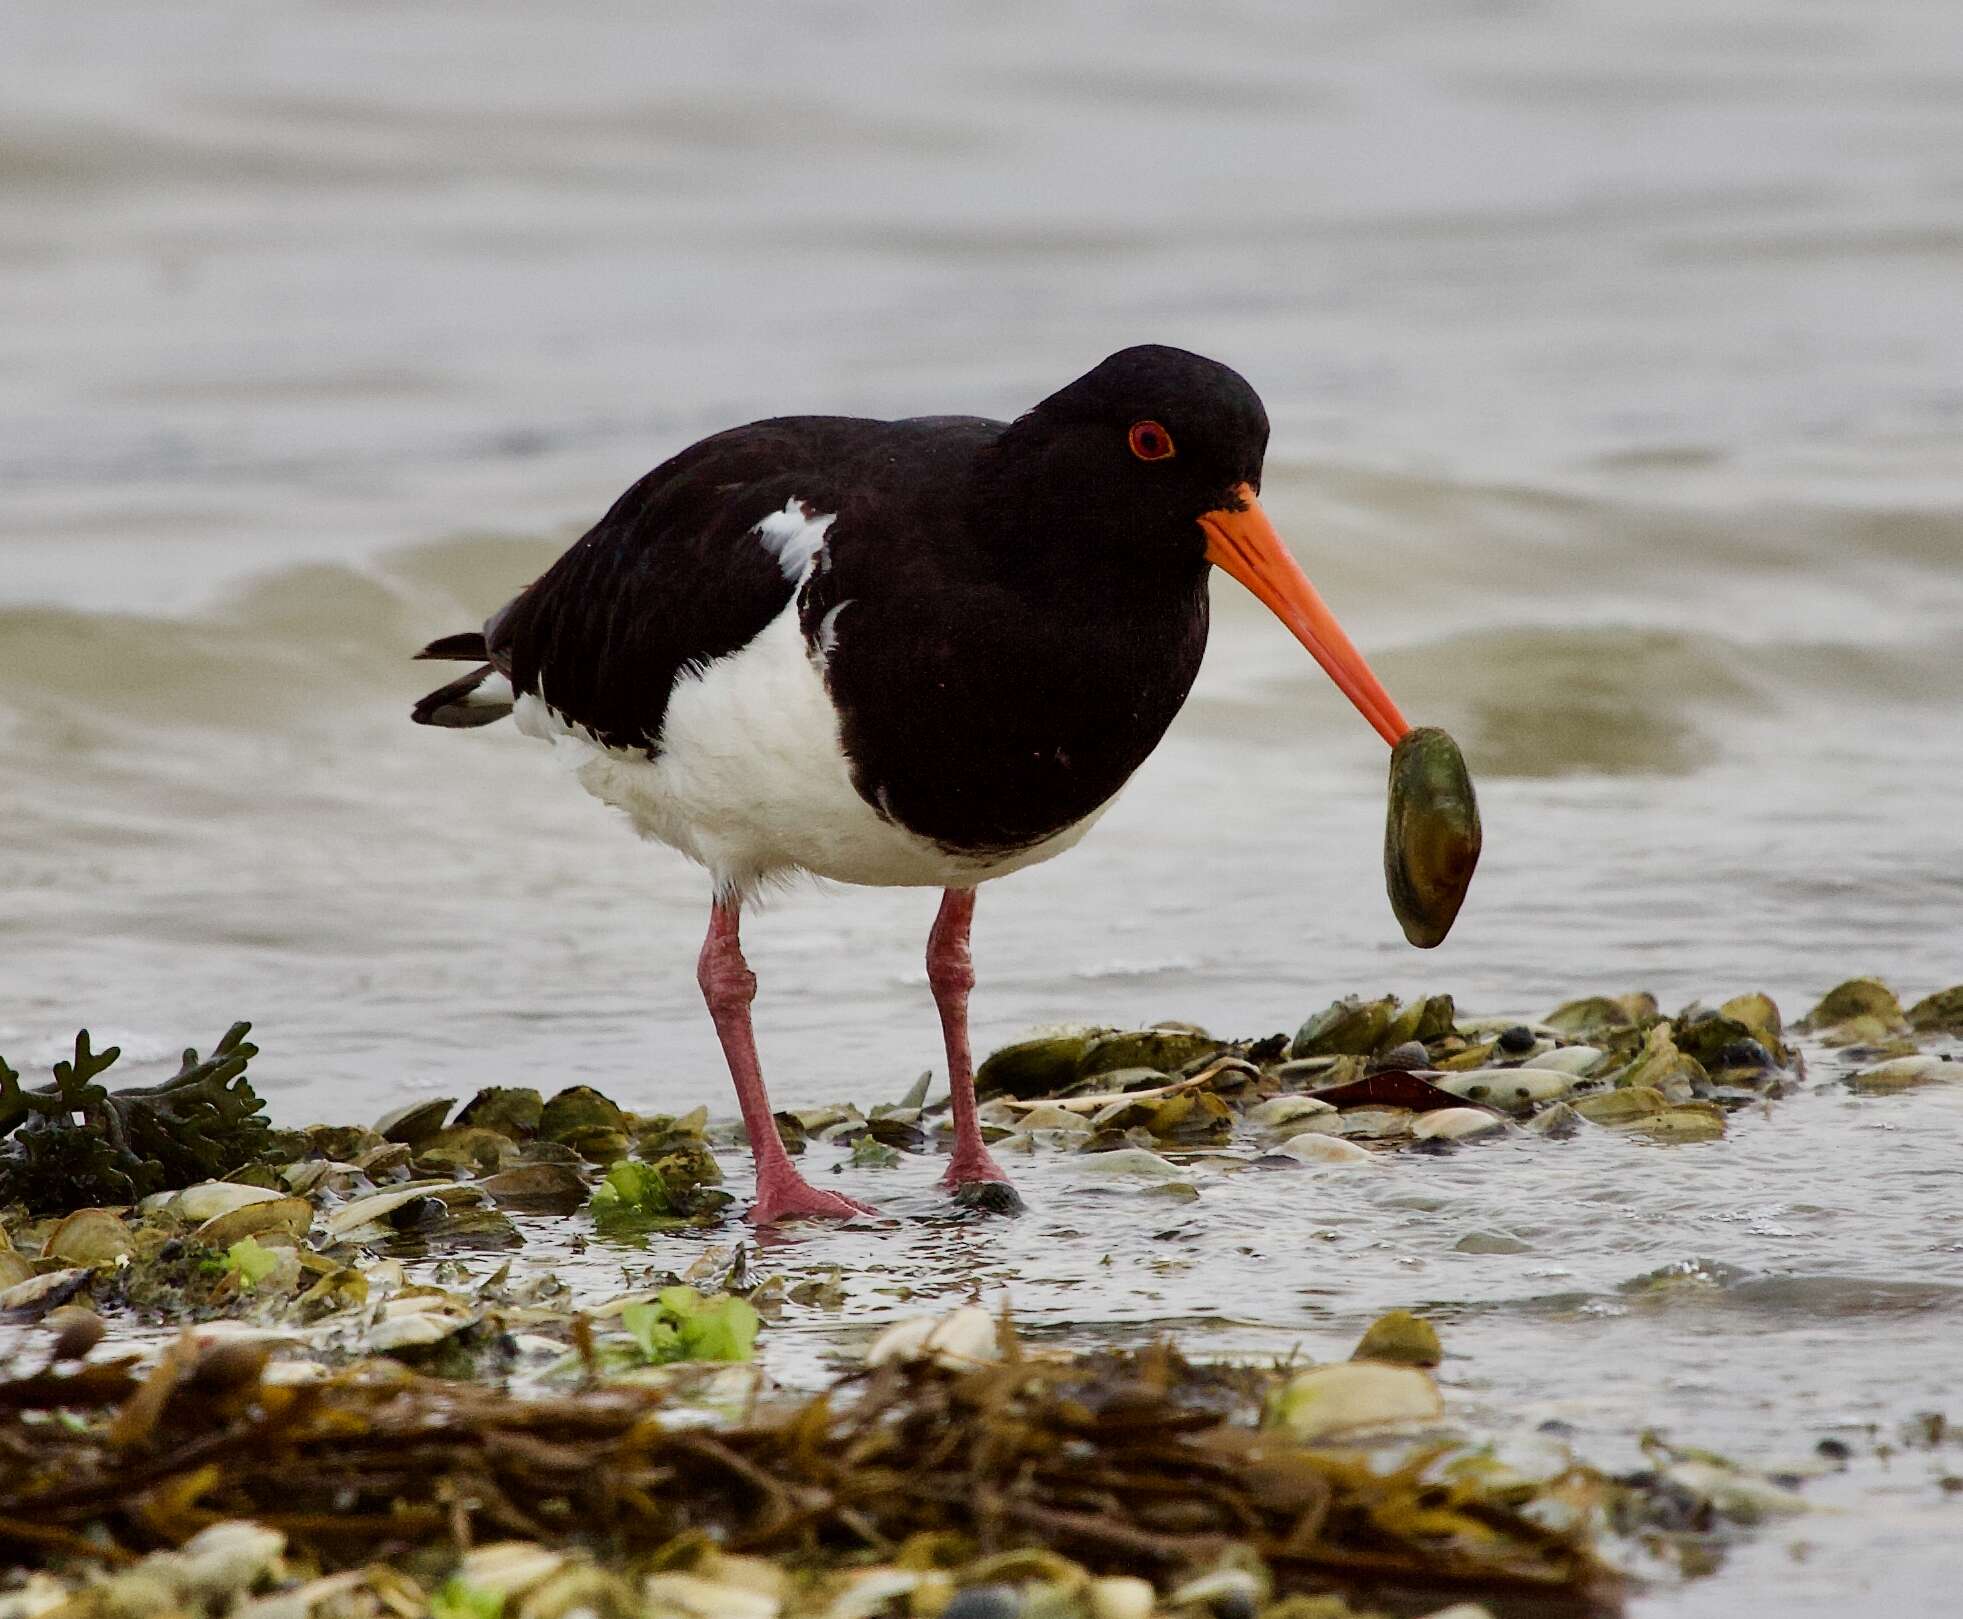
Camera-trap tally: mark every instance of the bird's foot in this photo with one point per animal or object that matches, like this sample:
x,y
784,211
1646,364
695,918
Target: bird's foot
x,y
976,1181
787,1195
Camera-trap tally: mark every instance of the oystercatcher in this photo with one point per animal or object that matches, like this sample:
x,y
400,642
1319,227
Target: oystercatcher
x,y
925,652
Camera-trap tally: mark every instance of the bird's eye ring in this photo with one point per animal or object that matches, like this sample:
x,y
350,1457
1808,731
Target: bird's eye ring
x,y
1150,441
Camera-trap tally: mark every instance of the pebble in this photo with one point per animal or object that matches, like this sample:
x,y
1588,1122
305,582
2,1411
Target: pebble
x,y
1409,1058
984,1602
1314,1147
1457,1124
1355,1394
1490,1242
1280,1110
1120,1596
1132,1161
1400,1338
1517,1039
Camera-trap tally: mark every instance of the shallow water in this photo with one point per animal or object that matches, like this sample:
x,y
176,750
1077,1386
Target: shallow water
x,y
1615,365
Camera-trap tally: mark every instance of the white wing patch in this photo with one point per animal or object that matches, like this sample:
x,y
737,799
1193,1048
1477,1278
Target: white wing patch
x,y
794,536
828,628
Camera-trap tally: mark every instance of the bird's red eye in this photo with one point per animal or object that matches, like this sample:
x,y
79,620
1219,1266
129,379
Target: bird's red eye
x,y
1150,441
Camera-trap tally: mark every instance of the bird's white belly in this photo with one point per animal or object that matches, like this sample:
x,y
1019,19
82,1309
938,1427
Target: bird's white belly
x,y
752,780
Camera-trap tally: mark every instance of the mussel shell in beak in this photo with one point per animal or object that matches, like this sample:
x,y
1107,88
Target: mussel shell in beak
x,y
1431,835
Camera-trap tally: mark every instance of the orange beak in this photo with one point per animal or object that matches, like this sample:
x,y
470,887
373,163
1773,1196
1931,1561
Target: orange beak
x,y
1246,545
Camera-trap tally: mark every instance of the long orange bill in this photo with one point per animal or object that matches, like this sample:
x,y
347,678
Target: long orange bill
x,y
1245,544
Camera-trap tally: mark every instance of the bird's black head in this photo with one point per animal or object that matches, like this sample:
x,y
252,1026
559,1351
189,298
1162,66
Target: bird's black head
x,y
1138,475
1134,452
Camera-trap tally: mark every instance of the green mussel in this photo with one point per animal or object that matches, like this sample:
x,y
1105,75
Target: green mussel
x,y
1431,836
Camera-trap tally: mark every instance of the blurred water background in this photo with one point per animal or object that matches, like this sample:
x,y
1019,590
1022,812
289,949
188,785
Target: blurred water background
x,y
1615,359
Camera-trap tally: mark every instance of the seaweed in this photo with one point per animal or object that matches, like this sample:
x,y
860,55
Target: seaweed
x,y
1137,1463
75,1142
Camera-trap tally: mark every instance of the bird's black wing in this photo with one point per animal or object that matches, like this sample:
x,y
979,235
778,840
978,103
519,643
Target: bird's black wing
x,y
673,577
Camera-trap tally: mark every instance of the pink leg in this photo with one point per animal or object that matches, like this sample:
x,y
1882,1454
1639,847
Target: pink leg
x,y
951,972
729,986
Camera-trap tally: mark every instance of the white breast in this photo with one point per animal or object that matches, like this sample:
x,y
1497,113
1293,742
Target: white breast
x,y
752,781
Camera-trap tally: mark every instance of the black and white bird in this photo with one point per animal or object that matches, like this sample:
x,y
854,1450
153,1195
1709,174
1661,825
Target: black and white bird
x,y
925,652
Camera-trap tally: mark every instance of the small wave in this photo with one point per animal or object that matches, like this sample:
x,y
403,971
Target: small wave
x,y
305,639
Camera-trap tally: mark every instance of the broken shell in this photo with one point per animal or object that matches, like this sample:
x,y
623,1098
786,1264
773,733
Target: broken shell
x,y
1345,1028
1430,1017
416,1330
1163,1050
1690,1121
343,1143
512,1110
35,1297
1856,1000
14,1268
962,1338
1354,1395
1456,1124
1622,1106
197,1204
1431,834
1400,1338
1556,1123
89,1237
289,1215
576,1110
466,1147
1040,1066
538,1188
1363,1123
1663,1068
367,1211
1940,1013
1594,1015
413,1122
1759,1013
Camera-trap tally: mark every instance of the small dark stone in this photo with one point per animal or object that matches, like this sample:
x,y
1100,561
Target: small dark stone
x,y
1835,1449
1743,1054
1517,1041
984,1601
987,1197
1409,1058
1233,1605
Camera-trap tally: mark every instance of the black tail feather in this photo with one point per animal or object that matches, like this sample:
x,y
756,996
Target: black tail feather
x,y
462,703
466,647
